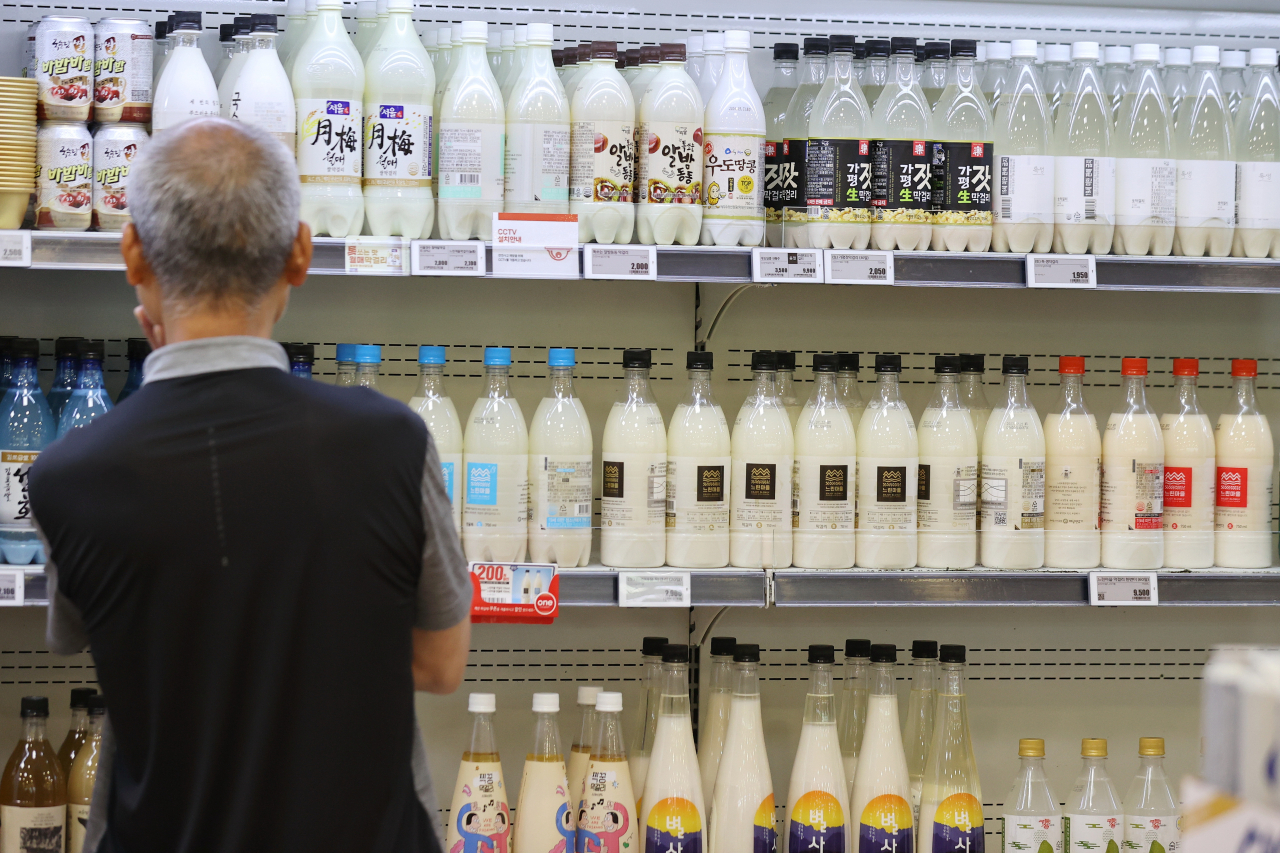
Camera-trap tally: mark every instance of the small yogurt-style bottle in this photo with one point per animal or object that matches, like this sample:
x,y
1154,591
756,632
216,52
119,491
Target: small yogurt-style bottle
x,y
763,447
670,155
1072,475
699,464
1013,456
537,164
473,121
823,485
1246,459
1132,513
496,462
1189,474
634,483
733,165
602,158
433,405
560,450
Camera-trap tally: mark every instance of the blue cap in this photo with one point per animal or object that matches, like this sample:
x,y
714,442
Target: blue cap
x,y
560,357
430,355
346,352
367,354
497,357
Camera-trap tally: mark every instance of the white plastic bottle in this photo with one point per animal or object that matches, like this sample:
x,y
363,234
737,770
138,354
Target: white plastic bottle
x,y
733,167
763,447
672,811
847,388
583,742
787,385
880,807
1057,72
262,95
1232,73
328,90
901,169
972,394
995,77
1013,459
1093,818
792,179
582,64
816,813
1246,458
888,458
716,700
1084,167
876,71
496,462
479,795
1189,474
544,813
651,649
1257,148
670,155
742,808
519,59
560,471
366,26
951,799
633,498
852,720
947,501
823,483
714,49
694,62
1072,475
1146,171
296,22
399,89
500,50
472,120
1206,163
1116,60
699,464
1152,817
185,87
917,734
431,41
837,189
1132,508
1032,818
537,167
242,32
433,405
963,158
602,151
1024,168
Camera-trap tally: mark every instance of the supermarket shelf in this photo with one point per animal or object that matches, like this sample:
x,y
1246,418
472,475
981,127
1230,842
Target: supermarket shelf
x,y
35,584
598,587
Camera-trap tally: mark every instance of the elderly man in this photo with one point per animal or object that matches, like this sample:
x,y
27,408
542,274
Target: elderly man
x,y
264,568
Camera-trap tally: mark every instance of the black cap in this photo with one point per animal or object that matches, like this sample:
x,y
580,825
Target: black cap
x,y
97,704
842,43
243,24
80,696
189,21
162,30
764,360
721,646
1015,365
847,361
675,653
964,47
786,359
857,648
604,50
785,50
67,347
557,58
821,653
937,50
816,47
946,364
699,360
951,653
301,353
25,348
139,348
859,51
884,653
225,31
902,45
93,349
619,62
569,55
261,23
651,647
746,653
35,706
878,47
972,363
924,649
651,54
825,362
920,53
888,363
637,358
633,57
668,51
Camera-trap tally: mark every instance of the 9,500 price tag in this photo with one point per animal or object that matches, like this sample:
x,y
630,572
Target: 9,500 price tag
x,y
1078,272
448,257
774,265
619,262
1123,588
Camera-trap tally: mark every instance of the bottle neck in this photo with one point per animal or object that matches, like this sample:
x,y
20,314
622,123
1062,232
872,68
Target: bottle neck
x,y
820,679
263,41
1031,766
590,727
1094,766
887,388
855,673
815,70
496,382
951,678
946,390
699,389
1262,82
184,38
401,22
746,680
484,744
367,375
961,72
1188,402
824,389
546,736
538,57
35,729
721,674
675,679
67,370
242,43
735,69
1015,391
562,383
96,722
608,743
431,382
881,681
638,392
842,68
24,374
1246,395
784,74
971,390
847,385
924,673
301,369
1071,400
903,69
786,383
90,376
79,719
765,384
1135,394
472,57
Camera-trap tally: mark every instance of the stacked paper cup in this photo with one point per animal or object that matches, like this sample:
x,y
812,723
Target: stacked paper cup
x,y
17,148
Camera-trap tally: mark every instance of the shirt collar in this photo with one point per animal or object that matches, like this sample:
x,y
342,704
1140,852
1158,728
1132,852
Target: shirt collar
x,y
213,355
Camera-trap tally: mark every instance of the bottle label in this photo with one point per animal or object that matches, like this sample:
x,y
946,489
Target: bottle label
x,y
497,490
795,151
1206,193
1032,833
958,825
1152,834
36,830
887,493
885,825
947,493
962,182
671,162
602,161
537,167
732,176
1146,191
697,499
1086,833
901,181
817,823
839,180
122,75
64,183
778,179
274,115
1072,492
1258,195
15,486
77,821
396,148
674,824
479,817
1243,496
450,466
1084,190
762,492
1189,496
472,156
111,162
634,490
1025,187
564,491
764,835
822,493
1132,494
1012,493
606,816
329,141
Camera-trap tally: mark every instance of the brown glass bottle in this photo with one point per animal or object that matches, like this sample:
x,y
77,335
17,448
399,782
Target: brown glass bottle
x,y
33,790
84,773
79,730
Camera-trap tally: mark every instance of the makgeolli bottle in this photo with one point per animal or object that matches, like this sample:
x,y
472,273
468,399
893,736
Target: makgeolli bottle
x,y
777,168
583,742
972,395
633,499
602,151
1116,60
242,28
699,463
1084,165
296,19
1146,171
1024,163
545,810
188,90
650,65
963,157
742,806
1152,817
433,405
713,63
669,187
1093,818
875,73
1032,818
852,719
672,810
472,121
947,498
823,483
787,385
995,76
847,386
496,462
763,449
1132,508
1246,458
718,695
694,63
560,471
1013,458
265,99
607,812
1057,71
837,189
443,64
901,170
366,26
651,649
1257,132
917,734
479,796
817,813
733,163
795,141
1205,150
951,800
1072,475
880,806
1189,474
888,459
537,165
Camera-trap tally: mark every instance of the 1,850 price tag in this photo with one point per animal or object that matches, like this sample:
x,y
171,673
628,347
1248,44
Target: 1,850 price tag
x,y
1070,271
1113,589
448,257
849,267
774,265
15,248
619,262
653,589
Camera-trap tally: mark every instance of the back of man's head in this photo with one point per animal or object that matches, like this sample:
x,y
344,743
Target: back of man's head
x,y
215,204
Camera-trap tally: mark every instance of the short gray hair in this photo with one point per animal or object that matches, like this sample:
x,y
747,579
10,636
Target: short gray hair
x,y
215,204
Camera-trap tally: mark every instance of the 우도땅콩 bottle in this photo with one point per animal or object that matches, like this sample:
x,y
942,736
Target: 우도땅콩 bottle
x,y
1072,475
33,790
792,179
742,811
580,751
1189,474
78,729
699,464
715,712
1203,143
786,57
817,811
83,773
137,350
433,405
602,151
1032,818
1093,818
607,819
847,388
901,165
917,735
496,462
651,649
763,449
826,463
963,157
185,88
881,800
633,497
951,800
670,155
888,461
90,400
537,166
544,813
1246,455
1132,505
1146,171
947,495
672,810
852,719
733,165
26,428
560,450
480,814
1023,131
261,94
1257,147
837,186
1013,459
66,352
472,119
1084,166
1152,817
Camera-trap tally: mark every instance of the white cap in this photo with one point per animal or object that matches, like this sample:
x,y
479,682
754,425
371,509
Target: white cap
x,y
295,8
1059,52
507,38
482,703
608,702
366,9
546,703
1117,55
999,50
737,40
540,34
1205,53
982,52
1263,56
713,43
430,38
397,5
1234,58
444,37
312,6
495,41
587,693
384,6
695,45
522,34
1177,56
1146,52
1023,48
1084,50
472,31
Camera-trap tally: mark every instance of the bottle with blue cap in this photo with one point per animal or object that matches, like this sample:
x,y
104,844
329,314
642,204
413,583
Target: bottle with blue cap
x,y
26,428
89,401
368,359
496,462
560,449
345,357
139,349
433,405
633,498
763,446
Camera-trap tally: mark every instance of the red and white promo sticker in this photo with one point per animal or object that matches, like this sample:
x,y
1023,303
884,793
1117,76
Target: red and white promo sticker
x,y
525,593
1233,487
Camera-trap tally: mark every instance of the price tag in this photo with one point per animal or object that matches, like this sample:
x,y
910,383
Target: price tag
x,y
798,265
376,256
1114,589
1071,271
619,262
12,588
447,257
653,589
848,267
15,248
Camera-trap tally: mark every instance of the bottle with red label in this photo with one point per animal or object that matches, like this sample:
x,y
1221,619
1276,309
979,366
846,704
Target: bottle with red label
x,y
1132,517
1188,475
1246,456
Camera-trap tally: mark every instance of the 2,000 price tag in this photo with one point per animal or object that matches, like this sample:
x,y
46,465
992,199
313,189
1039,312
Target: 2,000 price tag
x,y
775,265
619,262
1069,271
1113,589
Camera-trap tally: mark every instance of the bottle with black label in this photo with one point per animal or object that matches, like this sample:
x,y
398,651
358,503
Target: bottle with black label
x,y
888,458
822,489
785,81
763,448
790,177
901,171
698,468
962,155
839,157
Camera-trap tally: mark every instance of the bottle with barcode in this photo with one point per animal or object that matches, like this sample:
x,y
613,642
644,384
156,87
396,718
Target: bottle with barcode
x,y
1024,178
733,166
1032,818
698,467
1132,513
791,181
763,446
963,158
786,55
443,63
1072,468
480,814
1246,458
670,133
888,481
901,160
473,120
537,165
1013,449
560,471
1189,474
947,498
823,483
633,497
1203,142
1258,161
496,463
1146,171
433,405
1084,167
602,151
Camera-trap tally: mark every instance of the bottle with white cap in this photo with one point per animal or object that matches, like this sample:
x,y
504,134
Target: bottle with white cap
x,y
493,51
1189,474
1203,143
1024,166
602,159
1177,77
1246,458
763,446
888,459
825,468
995,76
583,742
537,155
242,30
472,136
444,68
1116,60
947,501
1132,512
1152,818
1057,72
607,818
496,462
963,158
1146,169
296,22
398,93
733,168
1233,83
672,809
261,94
695,59
431,41
1072,465
1094,816
188,91
901,173
433,405
1257,138
1084,167
699,463
837,189
790,181
366,26
670,155
1032,818
312,8
519,58
479,796
713,46
1013,458
544,816
560,451
633,497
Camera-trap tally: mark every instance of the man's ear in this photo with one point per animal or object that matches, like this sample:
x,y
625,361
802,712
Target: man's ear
x,y
137,271
299,261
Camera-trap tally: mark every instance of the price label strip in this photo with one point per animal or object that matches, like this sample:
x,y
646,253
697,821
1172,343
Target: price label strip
x,y
448,257
12,588
619,262
1123,589
849,267
526,593
1074,272
15,248
653,589
771,266
376,256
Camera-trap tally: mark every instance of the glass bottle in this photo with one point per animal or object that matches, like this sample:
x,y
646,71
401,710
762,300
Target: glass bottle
x,y
1132,505
716,702
78,732
33,790
1146,171
1093,818
880,806
853,705
917,735
742,813
1257,146
963,157
560,449
672,810
583,742
480,814
947,502
1013,453
763,448
26,427
1072,465
888,463
634,464
1032,819
795,140
651,649
847,386
1202,140
607,819
1084,164
900,119
83,774
951,802
816,816
1023,132
699,459
1151,813
433,405
89,400
544,816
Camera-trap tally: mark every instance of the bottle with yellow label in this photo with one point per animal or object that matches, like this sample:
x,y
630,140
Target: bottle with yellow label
x,y
880,807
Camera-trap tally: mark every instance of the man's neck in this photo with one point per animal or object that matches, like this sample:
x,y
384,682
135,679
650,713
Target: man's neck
x,y
205,324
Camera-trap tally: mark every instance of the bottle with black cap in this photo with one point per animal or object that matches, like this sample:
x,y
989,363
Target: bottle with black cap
x,y
899,123
84,773
786,79
880,807
876,73
790,178
33,790
859,61
786,57
66,351
1013,478
607,810
947,499
651,649
602,176
838,183
138,350
226,50
301,359
242,31
787,385
963,157
933,77
853,704
888,459
743,802
715,700
763,457
185,88
673,785
26,428
633,498
669,191
816,814
951,802
699,460
1072,474
847,386
1032,818
917,735
825,466
560,449
78,732
972,394
1093,818
261,94
479,795
89,401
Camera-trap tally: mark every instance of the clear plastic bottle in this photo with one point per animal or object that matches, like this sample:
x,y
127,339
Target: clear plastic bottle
x,y
1152,818
847,387
816,812
159,51
1177,78
137,350
233,58
826,463
480,813
672,809
633,498
1024,175
651,649
787,385
261,94
876,74
763,446
699,461
786,58
1072,481
544,813
713,64
185,88
901,169
1084,165
777,168
1132,507
82,775
90,400
951,800
650,65
1013,461
33,790
972,394
1233,82
366,26
1189,474
852,719
1206,164
742,808
345,365
66,353
500,50
295,25
607,813
537,164
583,742
1257,138
1093,818
791,175
996,76
947,502
963,158
917,734
433,405
602,151
1057,71
888,462
1246,457
431,41
859,62
301,359
716,701
733,169
936,69
472,120
670,134
1146,171
496,463
560,451
1032,818
368,363
837,189
881,800
1116,60
78,729
443,64
695,59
